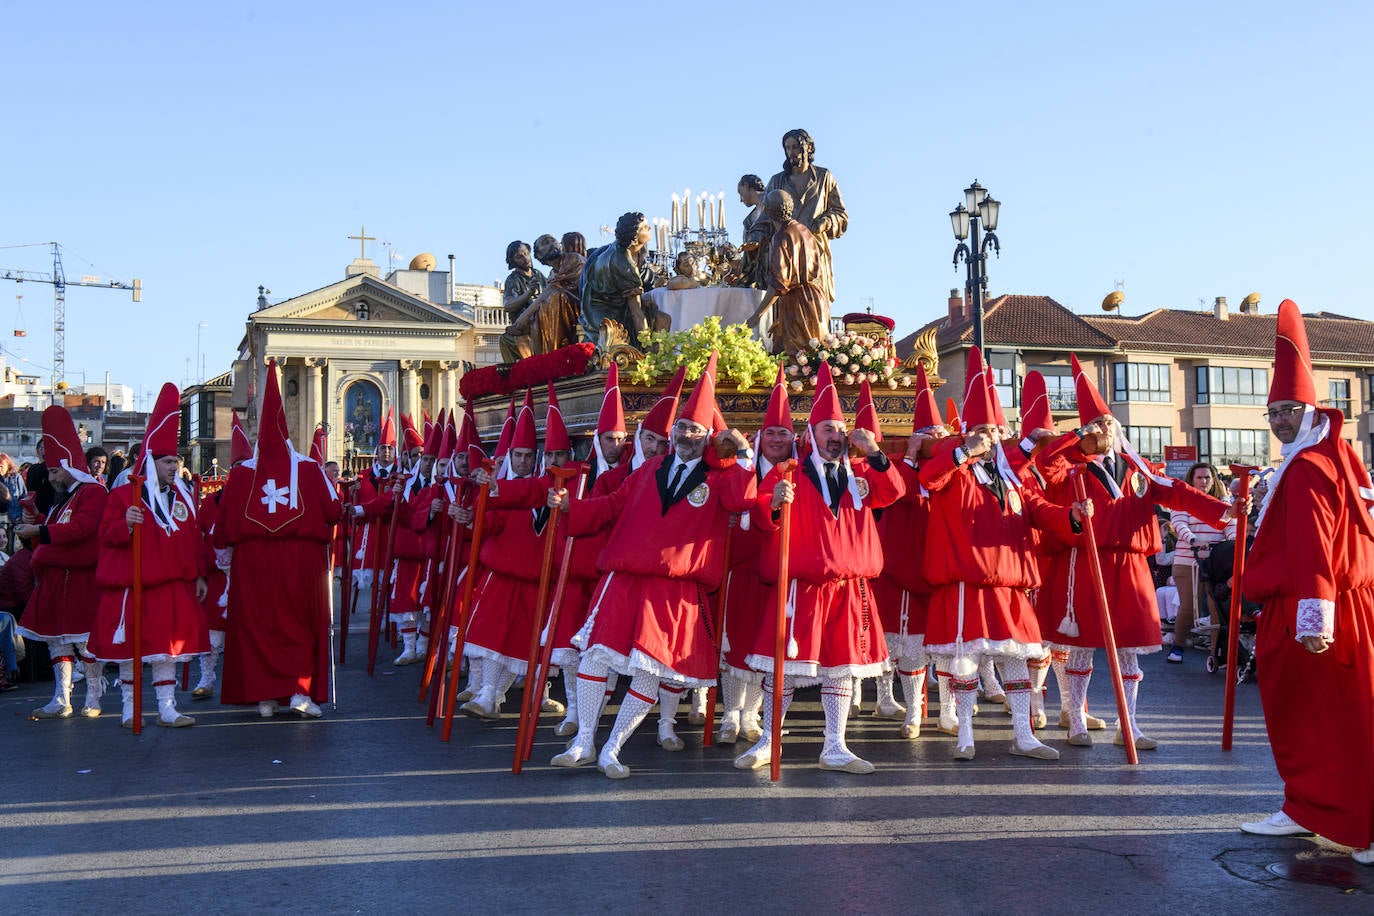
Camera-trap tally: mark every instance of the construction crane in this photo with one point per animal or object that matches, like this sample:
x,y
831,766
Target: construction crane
x,y
59,282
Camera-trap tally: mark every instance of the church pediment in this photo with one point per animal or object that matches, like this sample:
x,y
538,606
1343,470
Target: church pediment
x,y
356,299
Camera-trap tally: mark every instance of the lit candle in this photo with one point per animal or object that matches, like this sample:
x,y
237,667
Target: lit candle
x,y
720,211
686,209
701,211
675,212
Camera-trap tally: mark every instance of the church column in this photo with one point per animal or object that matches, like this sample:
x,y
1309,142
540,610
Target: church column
x,y
446,382
408,393
311,409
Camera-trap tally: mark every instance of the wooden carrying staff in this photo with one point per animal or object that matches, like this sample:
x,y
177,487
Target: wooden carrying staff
x,y
1108,635
380,594
535,671
137,535
441,611
718,630
1242,473
479,515
347,596
780,635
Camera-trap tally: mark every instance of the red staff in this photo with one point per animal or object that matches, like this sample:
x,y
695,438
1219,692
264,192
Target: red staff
x,y
718,628
1108,635
443,618
381,568
347,596
534,686
137,610
479,515
441,579
1242,473
780,634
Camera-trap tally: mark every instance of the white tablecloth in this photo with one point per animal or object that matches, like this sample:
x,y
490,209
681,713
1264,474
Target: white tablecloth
x,y
687,307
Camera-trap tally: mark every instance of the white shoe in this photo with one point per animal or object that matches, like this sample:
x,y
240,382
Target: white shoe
x,y
750,726
1276,824
610,764
896,711
91,710
1364,856
303,705
1034,749
407,657
697,714
574,756
566,729
268,708
961,753
552,707
728,733
844,760
756,758
479,708
668,739
911,727
176,721
53,710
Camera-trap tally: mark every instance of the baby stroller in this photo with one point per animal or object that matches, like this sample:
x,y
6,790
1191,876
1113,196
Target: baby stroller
x,y
1216,569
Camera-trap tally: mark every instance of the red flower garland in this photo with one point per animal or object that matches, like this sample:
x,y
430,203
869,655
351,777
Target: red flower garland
x,y
529,372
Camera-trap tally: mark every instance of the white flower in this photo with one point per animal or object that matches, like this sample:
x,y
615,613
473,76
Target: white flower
x,y
906,381
795,386
876,352
831,340
813,343
891,383
814,380
848,379
802,359
841,359
823,355
856,350
793,371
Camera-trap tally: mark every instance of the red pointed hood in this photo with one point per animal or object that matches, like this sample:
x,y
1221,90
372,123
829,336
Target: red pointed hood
x,y
952,418
525,436
779,412
164,423
240,449
555,431
434,434
1035,405
701,405
428,424
412,436
977,410
1293,380
319,445
659,419
470,440
62,445
825,403
388,434
611,419
926,412
274,500
1090,403
448,436
866,417
507,433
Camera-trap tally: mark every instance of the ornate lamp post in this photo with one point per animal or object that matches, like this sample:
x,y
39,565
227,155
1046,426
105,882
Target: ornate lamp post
x,y
979,211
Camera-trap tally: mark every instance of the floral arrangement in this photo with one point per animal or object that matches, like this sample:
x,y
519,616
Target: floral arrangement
x,y
487,380
852,358
740,357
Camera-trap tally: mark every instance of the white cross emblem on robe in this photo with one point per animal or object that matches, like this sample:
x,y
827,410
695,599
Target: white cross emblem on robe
x,y
273,495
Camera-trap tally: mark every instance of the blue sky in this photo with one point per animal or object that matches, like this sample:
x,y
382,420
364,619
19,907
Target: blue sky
x,y
1189,150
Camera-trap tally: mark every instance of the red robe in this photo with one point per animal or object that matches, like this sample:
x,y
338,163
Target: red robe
x,y
503,609
903,591
835,622
173,623
410,558
1127,533
62,606
649,612
1312,563
985,564
216,603
372,527
277,643
749,601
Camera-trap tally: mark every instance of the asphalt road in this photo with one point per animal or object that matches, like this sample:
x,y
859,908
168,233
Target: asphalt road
x,y
368,811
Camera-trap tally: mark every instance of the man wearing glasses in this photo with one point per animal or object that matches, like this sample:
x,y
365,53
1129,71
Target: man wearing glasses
x,y
1312,567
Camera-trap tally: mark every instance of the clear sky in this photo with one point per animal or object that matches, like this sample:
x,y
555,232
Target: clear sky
x,y
1189,150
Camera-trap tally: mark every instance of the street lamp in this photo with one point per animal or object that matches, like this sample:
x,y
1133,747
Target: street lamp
x,y
979,211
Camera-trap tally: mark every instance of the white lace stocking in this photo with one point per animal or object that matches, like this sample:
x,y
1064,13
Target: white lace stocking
x,y
639,699
1018,688
835,700
1131,676
1079,671
1059,660
669,698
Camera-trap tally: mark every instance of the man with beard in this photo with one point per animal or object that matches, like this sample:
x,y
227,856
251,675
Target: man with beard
x,y
1312,567
795,279
650,614
817,197
523,286
550,321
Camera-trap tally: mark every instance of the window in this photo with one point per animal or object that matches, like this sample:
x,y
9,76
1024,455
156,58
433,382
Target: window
x,y
1140,382
189,423
1233,446
1369,387
1150,440
1059,386
1338,391
1232,385
206,402
1004,378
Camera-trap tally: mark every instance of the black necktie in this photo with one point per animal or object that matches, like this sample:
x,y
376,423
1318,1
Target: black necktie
x,y
832,483
1109,465
677,480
